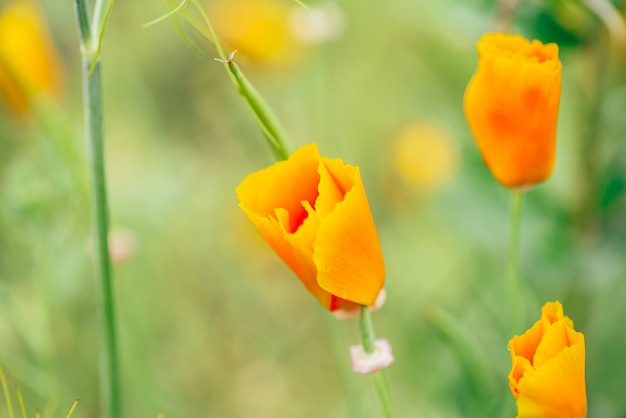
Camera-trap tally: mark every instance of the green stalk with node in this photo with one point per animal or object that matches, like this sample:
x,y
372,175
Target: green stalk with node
x,y
91,33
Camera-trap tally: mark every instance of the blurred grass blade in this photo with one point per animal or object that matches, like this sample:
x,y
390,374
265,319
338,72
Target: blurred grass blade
x,y
69,415
194,23
7,396
190,43
180,8
463,343
20,401
51,407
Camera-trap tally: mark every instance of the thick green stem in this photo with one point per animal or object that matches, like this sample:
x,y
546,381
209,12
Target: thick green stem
x,y
92,102
517,197
380,377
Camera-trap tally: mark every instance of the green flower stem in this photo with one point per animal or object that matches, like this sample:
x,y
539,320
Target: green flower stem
x,y
381,382
367,330
92,102
266,118
517,197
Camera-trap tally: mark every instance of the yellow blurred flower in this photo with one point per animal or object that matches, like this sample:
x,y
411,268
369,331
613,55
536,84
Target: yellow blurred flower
x,y
314,213
259,29
511,105
424,156
547,378
29,64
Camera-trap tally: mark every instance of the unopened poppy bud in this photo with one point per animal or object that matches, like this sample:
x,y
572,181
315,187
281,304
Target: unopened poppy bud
x,y
511,104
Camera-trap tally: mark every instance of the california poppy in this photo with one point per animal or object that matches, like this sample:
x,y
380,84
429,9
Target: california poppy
x,y
29,64
313,211
511,104
547,378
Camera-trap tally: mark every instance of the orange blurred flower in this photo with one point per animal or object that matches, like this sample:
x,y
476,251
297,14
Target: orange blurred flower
x,y
29,64
314,213
259,29
511,105
548,374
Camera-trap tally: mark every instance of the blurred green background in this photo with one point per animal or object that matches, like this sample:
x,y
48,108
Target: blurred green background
x,y
212,324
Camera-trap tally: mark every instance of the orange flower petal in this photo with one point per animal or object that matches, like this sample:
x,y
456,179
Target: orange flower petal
x,y
511,104
347,251
281,212
557,389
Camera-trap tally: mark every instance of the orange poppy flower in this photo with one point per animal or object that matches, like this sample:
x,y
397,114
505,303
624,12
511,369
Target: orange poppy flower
x,y
314,213
259,29
548,374
511,104
29,64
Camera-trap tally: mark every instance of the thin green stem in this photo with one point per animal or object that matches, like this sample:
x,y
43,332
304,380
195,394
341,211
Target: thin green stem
x,y
517,197
367,331
270,124
266,119
92,102
381,382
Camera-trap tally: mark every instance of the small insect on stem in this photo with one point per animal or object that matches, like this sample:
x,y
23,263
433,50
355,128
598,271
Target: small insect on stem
x,y
229,60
